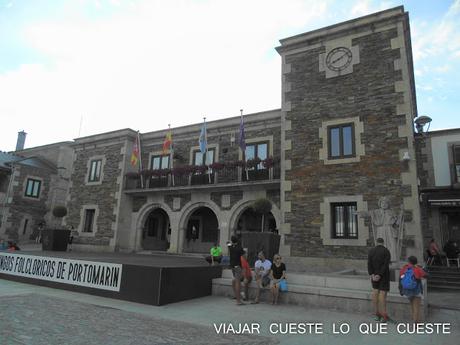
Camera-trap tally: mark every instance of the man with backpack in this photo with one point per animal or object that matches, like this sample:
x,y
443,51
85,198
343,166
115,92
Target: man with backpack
x,y
378,267
410,285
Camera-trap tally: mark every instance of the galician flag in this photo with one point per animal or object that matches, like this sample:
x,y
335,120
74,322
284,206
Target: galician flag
x,y
203,141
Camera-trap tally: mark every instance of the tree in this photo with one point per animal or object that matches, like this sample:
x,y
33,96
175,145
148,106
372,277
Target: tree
x,y
262,206
59,212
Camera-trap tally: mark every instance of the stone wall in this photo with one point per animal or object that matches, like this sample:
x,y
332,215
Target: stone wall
x,y
372,95
103,195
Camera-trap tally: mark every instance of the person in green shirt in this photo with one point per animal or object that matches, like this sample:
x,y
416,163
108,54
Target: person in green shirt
x,y
216,254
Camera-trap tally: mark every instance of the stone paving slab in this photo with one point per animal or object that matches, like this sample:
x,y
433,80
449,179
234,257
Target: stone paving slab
x,y
35,319
99,320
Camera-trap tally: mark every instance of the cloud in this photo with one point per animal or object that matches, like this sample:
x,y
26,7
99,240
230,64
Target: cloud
x,y
149,63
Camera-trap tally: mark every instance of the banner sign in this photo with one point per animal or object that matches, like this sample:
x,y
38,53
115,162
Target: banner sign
x,y
97,275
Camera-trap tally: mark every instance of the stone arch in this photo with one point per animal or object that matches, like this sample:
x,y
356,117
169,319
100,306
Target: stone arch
x,y
187,212
142,216
241,206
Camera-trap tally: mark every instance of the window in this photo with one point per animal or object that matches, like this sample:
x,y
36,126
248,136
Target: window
x,y
456,151
89,220
33,188
159,162
341,141
95,170
198,157
258,150
344,220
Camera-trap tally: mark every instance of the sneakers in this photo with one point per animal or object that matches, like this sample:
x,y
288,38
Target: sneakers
x,y
378,317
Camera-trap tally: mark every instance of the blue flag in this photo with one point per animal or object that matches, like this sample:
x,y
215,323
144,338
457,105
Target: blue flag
x,y
242,141
203,139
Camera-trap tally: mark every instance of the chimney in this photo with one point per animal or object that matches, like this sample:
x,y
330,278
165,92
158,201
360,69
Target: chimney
x,y
21,141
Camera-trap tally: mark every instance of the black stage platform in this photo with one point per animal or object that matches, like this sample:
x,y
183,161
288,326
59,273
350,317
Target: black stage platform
x,y
155,279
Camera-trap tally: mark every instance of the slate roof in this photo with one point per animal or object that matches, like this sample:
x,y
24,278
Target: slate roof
x,y
7,158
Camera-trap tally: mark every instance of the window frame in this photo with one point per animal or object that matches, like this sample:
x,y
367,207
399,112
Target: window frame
x,y
256,144
90,173
194,152
456,164
346,234
341,155
162,157
34,182
85,221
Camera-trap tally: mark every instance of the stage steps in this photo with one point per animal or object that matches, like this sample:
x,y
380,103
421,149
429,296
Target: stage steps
x,y
443,278
348,293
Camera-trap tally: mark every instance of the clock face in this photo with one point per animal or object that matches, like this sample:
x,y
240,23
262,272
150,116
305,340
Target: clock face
x,y
339,59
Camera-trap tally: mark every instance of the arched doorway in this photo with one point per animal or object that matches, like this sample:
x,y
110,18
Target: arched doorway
x,y
202,231
156,231
252,221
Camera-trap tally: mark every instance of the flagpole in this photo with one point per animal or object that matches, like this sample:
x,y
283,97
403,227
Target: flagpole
x,y
171,155
140,158
243,151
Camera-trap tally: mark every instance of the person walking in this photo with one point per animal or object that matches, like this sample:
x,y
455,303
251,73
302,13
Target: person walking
x,y
236,251
262,269
246,276
410,285
378,266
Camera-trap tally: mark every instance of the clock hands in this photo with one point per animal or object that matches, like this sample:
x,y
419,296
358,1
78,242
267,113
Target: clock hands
x,y
339,58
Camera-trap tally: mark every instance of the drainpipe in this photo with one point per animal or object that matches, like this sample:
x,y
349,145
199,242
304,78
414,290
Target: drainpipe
x,y
10,185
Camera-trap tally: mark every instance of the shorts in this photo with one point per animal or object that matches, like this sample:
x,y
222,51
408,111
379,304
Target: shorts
x,y
237,272
382,285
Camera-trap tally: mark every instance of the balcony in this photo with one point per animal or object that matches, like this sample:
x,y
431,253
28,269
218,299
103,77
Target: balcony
x,y
183,178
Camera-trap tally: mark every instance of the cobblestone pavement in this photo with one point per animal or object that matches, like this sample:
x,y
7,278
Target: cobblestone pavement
x,y
35,319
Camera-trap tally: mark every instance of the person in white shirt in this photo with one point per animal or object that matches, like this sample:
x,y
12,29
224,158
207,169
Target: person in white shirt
x,y
261,269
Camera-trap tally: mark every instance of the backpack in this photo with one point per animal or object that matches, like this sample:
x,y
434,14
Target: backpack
x,y
408,281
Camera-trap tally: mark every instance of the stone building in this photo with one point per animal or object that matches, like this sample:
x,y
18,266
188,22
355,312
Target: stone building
x,y
24,193
333,149
439,163
348,104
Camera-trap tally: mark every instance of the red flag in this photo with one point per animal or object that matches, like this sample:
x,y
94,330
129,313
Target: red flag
x,y
135,154
168,142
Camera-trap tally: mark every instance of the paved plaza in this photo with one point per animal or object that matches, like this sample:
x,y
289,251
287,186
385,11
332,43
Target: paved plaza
x,y
39,315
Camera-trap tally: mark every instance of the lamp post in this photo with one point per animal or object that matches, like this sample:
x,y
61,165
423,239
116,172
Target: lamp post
x,y
420,123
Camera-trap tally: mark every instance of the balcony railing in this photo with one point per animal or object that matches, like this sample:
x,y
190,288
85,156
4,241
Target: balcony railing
x,y
227,174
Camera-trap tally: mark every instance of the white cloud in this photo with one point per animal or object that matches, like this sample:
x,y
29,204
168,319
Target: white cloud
x,y
148,65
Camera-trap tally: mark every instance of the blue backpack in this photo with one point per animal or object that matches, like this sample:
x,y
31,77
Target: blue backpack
x,y
408,280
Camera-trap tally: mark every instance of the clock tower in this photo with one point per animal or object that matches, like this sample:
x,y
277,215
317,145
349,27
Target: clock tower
x,y
348,102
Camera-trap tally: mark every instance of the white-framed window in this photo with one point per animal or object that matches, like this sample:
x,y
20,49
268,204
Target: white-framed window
x,y
159,162
206,158
341,141
33,187
95,170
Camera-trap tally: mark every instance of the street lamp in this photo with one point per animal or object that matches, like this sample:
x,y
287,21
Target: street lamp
x,y
420,123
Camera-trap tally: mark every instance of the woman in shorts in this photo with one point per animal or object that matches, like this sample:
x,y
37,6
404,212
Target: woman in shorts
x,y
277,273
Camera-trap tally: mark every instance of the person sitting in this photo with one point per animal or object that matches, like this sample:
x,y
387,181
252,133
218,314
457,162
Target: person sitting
x,y
3,244
12,246
216,254
451,249
262,272
277,273
246,277
434,252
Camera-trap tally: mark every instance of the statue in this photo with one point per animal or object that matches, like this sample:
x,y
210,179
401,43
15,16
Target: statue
x,y
388,225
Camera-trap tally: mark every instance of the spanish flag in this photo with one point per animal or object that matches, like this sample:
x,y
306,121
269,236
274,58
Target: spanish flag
x,y
135,154
168,142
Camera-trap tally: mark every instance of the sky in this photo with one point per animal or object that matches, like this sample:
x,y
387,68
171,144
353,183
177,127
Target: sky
x,y
75,68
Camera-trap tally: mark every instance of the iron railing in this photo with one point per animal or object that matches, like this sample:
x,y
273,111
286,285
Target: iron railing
x,y
228,174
